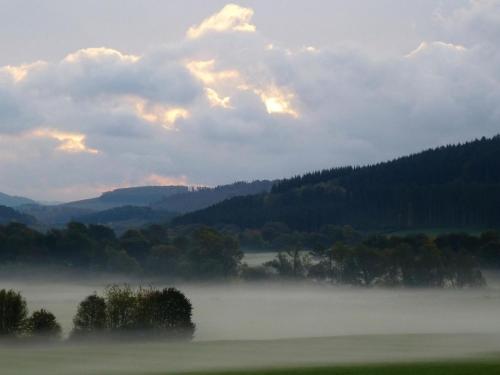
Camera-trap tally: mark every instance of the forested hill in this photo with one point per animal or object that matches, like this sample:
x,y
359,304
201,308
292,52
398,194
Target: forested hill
x,y
454,186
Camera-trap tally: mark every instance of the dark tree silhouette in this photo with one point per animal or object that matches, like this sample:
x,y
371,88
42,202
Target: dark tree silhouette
x,y
166,313
151,313
43,324
13,312
90,317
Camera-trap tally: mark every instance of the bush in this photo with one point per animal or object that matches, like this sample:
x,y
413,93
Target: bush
x,y
165,313
43,324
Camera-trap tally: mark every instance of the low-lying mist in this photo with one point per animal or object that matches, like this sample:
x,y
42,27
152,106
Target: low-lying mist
x,y
241,325
246,311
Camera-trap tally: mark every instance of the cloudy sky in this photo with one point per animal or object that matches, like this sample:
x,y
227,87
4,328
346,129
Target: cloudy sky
x,y
102,94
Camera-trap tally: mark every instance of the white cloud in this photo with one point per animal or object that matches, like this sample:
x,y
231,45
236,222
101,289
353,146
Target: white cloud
x,y
100,54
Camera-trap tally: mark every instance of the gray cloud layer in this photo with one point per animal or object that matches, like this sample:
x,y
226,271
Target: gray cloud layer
x,y
227,103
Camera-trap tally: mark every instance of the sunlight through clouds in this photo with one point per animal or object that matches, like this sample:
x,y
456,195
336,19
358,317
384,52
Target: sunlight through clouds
x,y
277,101
158,114
69,142
19,73
215,100
160,180
231,18
100,53
205,72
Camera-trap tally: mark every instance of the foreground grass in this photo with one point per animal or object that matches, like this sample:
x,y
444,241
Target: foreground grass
x,y
445,368
423,354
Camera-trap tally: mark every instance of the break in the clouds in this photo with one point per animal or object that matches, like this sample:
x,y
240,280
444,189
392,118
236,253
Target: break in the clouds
x,y
226,103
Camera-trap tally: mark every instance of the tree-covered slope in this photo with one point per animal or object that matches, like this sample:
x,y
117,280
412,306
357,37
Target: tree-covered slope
x,y
451,186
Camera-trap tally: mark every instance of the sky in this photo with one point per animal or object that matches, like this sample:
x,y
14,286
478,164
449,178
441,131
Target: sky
x,y
96,95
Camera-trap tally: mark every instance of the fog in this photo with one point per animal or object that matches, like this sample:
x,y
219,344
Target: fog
x,y
243,311
241,325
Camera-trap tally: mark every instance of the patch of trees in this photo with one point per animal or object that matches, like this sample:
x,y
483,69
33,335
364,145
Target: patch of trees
x,y
194,253
449,187
412,261
122,312
150,312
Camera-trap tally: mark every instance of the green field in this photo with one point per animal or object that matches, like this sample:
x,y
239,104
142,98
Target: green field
x,y
451,368
378,354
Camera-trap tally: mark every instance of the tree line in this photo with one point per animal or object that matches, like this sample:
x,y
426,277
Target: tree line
x,y
197,253
414,261
339,254
456,186
121,313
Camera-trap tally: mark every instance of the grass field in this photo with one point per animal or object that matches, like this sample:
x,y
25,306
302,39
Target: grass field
x,y
449,354
451,368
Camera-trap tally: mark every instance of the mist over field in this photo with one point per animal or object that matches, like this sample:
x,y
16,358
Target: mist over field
x,y
276,311
278,324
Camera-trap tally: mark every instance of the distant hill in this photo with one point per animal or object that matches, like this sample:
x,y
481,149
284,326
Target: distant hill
x,y
136,196
61,214
8,215
141,205
13,201
204,197
53,216
452,186
125,217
